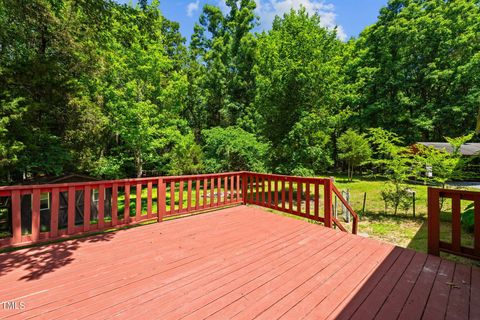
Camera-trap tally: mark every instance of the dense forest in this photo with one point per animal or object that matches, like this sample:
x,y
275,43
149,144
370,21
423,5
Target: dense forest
x,y
110,90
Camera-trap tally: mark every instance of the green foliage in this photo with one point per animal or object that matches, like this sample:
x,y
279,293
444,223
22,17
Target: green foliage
x,y
299,85
468,218
112,91
457,142
233,149
444,166
396,164
391,158
222,49
354,150
397,196
417,69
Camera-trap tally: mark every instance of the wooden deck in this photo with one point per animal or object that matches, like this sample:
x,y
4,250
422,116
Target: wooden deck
x,y
239,263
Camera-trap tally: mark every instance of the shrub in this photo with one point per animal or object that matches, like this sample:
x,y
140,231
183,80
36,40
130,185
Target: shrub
x,y
233,149
468,218
397,196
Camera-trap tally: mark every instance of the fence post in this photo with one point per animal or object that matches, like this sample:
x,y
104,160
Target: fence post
x,y
161,200
364,202
414,200
328,202
433,222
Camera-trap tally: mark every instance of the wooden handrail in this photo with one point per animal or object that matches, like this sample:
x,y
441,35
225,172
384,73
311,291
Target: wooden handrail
x,y
83,207
349,208
284,200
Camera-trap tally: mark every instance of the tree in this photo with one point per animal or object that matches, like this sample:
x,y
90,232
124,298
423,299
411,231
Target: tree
x,y
44,55
233,149
443,165
222,54
142,89
299,83
395,163
477,130
417,69
354,150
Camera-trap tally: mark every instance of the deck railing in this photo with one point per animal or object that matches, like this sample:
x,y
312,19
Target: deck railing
x,y
436,197
304,197
45,212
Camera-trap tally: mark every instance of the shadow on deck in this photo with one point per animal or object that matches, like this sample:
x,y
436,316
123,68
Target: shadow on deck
x,y
241,263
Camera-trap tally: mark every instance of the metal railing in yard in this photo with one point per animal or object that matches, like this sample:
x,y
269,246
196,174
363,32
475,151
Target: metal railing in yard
x,y
37,213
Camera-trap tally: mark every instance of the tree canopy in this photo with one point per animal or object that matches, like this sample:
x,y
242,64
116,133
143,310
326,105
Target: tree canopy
x,y
114,90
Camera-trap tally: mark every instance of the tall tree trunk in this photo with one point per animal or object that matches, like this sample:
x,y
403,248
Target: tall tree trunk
x,y
138,164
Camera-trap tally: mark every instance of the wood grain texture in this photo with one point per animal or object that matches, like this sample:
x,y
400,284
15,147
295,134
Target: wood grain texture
x,y
236,263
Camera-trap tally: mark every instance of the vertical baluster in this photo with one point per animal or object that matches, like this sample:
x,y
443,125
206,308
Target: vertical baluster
x,y
114,204
54,213
126,207
138,202
290,195
180,196
269,190
161,199
251,188
212,192
257,188
71,210
299,197
232,186
237,194
16,217
86,208
36,214
205,187
101,206
264,197
197,194
225,190
149,199
307,198
275,195
219,190
315,210
283,194
172,197
456,223
189,195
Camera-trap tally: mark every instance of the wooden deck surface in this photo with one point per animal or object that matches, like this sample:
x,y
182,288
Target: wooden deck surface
x,y
237,263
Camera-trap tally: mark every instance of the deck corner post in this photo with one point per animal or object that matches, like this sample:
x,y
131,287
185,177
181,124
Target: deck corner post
x,y
161,199
433,217
328,202
244,187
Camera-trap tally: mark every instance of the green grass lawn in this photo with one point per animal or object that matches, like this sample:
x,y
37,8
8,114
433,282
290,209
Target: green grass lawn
x,y
374,202
402,229
133,199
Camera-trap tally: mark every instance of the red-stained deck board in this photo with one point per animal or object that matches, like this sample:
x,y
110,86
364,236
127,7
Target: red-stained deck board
x,y
240,263
437,303
413,308
404,286
475,294
459,294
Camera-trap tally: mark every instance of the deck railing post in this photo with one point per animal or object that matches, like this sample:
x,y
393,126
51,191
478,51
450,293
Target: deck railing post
x,y
328,202
161,199
433,221
244,188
